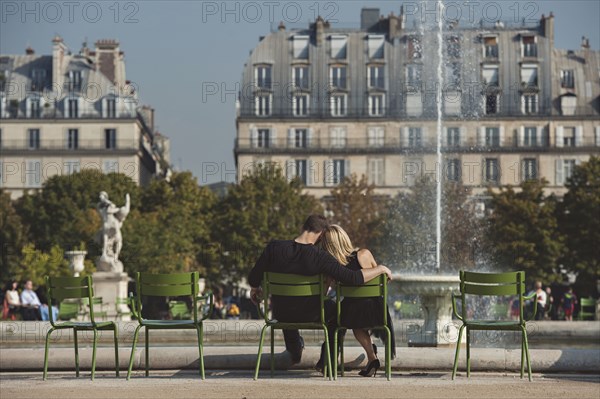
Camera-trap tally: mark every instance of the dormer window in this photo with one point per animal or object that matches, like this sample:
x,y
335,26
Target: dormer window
x,y
339,44
38,79
300,44
567,79
490,47
262,77
490,75
109,107
529,46
529,75
74,83
375,44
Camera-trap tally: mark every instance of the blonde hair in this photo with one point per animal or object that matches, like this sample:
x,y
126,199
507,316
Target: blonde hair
x,y
336,241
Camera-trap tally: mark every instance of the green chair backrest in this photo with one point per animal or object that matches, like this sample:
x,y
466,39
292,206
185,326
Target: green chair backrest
x,y
68,310
61,288
168,285
492,284
374,288
179,310
293,285
588,308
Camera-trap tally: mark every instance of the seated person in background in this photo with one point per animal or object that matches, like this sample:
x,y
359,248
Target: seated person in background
x,y
30,303
12,301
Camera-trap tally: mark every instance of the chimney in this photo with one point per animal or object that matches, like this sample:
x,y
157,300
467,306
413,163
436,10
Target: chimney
x,y
585,43
281,27
29,51
547,24
110,61
369,17
58,61
394,26
319,30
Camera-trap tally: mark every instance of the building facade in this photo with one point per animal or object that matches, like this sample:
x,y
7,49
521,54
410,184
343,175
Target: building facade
x,y
63,113
324,103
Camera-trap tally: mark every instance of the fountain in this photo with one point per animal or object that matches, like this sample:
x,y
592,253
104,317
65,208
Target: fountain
x,y
435,290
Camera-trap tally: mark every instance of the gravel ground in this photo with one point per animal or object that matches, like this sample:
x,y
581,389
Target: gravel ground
x,y
297,384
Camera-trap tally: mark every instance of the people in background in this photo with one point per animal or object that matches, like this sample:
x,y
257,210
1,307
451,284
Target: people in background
x,y
30,303
568,303
540,298
12,301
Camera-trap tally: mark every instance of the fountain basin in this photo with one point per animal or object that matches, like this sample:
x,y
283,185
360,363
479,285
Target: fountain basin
x,y
436,300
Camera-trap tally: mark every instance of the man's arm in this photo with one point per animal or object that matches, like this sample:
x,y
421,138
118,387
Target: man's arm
x,y
256,275
329,266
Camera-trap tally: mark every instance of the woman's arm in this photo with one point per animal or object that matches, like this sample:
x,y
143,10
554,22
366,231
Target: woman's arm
x,y
366,259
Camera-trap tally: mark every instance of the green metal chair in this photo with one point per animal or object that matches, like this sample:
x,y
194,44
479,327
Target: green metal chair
x,y
588,309
68,310
292,285
98,303
119,302
178,310
168,285
492,284
373,288
61,288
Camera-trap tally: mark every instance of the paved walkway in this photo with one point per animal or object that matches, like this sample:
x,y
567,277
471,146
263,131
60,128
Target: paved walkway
x,y
297,384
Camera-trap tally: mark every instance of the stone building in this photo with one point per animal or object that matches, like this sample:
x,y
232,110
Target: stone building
x,y
326,102
63,113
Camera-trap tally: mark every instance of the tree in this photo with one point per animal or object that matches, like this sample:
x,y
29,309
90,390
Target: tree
x,y
523,232
35,265
358,210
579,220
263,207
12,237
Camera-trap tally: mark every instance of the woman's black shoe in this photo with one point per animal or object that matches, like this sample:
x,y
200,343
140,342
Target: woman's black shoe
x,y
371,369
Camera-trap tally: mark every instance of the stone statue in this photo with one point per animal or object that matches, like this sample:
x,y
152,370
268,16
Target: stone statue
x,y
112,241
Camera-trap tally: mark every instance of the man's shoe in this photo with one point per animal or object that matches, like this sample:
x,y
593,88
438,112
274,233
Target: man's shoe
x,y
296,357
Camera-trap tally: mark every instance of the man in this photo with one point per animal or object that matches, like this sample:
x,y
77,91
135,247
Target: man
x,y
300,256
30,303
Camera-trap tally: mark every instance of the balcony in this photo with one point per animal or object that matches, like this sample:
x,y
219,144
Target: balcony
x,y
63,146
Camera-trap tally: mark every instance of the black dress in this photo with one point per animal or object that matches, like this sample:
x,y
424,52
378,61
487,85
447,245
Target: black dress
x,y
365,312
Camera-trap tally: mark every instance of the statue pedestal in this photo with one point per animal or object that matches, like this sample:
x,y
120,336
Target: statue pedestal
x,y
110,286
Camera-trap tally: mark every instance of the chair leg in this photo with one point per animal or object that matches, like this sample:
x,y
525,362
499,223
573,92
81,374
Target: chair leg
x,y
135,338
468,352
260,348
388,354
272,357
147,362
200,331
335,352
329,368
94,353
46,352
522,354
116,335
460,331
76,352
527,353
341,355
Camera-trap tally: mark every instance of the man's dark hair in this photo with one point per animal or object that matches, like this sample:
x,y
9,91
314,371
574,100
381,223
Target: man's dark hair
x,y
315,224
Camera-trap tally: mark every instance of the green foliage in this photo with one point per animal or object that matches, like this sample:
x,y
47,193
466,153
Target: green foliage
x,y
36,264
524,231
579,217
358,210
263,207
12,237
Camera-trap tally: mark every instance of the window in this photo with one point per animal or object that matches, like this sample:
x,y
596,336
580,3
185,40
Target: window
x,y
300,105
529,46
111,108
376,77
453,172
529,75
415,50
34,139
262,103
568,167
529,169
262,76
300,77
34,107
375,166
72,139
530,137
335,171
300,43
375,43
110,166
414,137
376,104
567,79
453,136
490,47
569,137
338,46
38,79
263,139
492,137
491,104
453,75
33,173
413,75
337,77
74,82
453,46
72,108
376,136
298,138
110,139
529,104
338,137
490,75
492,170
71,166
301,171
339,104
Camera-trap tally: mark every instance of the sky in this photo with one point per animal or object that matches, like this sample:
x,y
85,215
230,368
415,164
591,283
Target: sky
x,y
186,57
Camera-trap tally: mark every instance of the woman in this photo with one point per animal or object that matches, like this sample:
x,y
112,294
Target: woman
x,y
358,313
12,301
